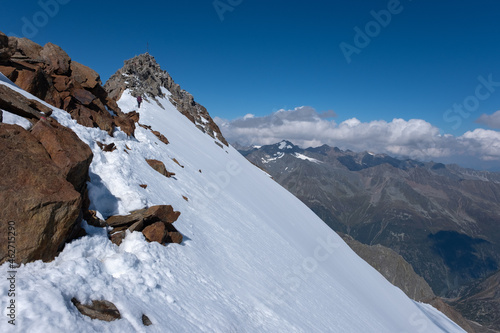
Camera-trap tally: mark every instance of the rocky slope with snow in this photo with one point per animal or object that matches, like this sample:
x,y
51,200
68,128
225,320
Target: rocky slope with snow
x,y
252,258
143,76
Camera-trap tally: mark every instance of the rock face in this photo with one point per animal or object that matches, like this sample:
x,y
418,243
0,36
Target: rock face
x,y
156,223
49,73
35,195
144,77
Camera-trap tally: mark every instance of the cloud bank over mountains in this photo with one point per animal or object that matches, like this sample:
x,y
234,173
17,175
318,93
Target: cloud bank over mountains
x,y
414,138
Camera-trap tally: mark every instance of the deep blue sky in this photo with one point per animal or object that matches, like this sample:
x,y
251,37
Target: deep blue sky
x,y
268,55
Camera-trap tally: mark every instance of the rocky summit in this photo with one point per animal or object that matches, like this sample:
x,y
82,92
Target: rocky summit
x,y
144,77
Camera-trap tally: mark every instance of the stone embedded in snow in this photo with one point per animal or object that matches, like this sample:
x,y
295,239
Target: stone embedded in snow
x,y
160,167
161,137
108,148
148,221
146,321
101,310
173,237
155,232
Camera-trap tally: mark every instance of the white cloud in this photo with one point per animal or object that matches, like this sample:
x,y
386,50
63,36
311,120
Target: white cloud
x,y
414,138
492,121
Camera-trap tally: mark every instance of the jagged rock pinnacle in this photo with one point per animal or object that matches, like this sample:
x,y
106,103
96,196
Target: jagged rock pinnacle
x,y
144,76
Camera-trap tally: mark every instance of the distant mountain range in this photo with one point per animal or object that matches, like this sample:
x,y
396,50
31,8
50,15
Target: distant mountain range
x,y
443,219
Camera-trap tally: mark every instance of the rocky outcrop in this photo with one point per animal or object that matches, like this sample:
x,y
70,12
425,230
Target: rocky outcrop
x,y
144,77
49,73
35,195
156,223
101,310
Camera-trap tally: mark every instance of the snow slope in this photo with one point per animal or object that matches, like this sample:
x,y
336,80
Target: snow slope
x,y
254,258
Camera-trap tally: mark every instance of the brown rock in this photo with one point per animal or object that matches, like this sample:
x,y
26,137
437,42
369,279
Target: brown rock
x,y
61,83
91,217
173,237
160,167
103,120
118,237
107,148
66,150
45,217
83,96
40,107
143,185
163,213
7,47
161,137
87,77
9,72
155,232
33,81
102,310
134,116
14,102
126,124
57,61
177,162
29,48
81,114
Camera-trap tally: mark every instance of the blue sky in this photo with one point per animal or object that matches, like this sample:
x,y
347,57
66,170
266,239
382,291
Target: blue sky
x,y
264,56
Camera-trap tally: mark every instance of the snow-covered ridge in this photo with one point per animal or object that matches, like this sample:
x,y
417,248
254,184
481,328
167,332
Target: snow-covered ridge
x,y
254,258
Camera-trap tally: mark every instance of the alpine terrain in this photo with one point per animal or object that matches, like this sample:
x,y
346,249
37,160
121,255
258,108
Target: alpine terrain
x,y
442,219
92,185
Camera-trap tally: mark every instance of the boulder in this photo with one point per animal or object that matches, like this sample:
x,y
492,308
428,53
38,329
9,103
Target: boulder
x,y
83,96
29,49
173,237
46,217
126,124
56,60
155,232
66,150
102,310
87,77
160,167
163,213
33,80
